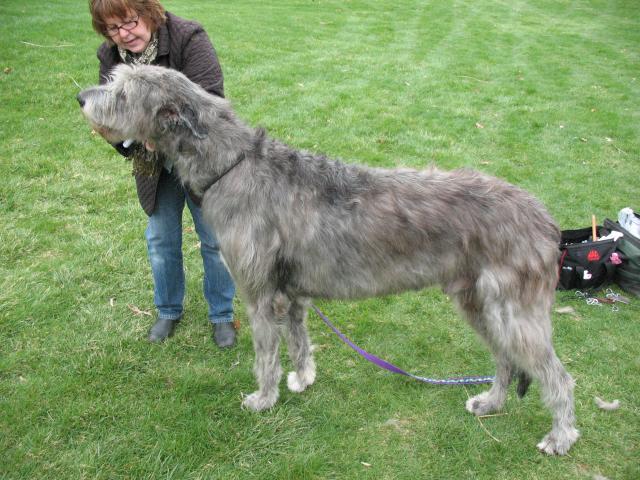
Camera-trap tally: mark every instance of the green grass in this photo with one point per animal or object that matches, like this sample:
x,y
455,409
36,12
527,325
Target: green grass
x,y
555,86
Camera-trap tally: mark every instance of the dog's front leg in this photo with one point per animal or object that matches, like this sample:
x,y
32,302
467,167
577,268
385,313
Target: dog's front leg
x,y
267,369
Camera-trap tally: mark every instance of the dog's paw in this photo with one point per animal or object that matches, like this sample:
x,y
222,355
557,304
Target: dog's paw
x,y
258,401
558,442
483,404
299,382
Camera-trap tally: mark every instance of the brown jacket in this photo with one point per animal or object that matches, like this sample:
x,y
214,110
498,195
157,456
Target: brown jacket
x,y
184,46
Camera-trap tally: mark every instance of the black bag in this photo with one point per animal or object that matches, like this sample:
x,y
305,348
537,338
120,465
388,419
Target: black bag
x,y
585,264
627,275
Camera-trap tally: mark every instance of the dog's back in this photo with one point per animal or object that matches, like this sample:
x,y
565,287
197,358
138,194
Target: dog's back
x,y
352,231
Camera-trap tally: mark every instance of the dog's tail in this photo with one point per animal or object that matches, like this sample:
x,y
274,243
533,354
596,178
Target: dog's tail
x,y
524,381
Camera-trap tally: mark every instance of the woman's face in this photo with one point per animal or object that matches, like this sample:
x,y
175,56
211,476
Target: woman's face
x,y
130,32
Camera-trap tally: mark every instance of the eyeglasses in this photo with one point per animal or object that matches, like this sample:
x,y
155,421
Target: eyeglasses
x,y
113,30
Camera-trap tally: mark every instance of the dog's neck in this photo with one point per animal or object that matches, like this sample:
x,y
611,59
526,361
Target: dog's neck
x,y
241,156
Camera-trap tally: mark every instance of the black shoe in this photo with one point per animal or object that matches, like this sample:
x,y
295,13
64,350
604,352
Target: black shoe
x,y
162,329
224,334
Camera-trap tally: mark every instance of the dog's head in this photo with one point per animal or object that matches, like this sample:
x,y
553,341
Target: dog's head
x,y
145,103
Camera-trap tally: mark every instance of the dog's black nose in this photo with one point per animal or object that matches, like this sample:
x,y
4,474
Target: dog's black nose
x,y
81,100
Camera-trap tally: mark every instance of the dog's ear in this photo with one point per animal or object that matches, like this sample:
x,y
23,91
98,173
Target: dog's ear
x,y
170,116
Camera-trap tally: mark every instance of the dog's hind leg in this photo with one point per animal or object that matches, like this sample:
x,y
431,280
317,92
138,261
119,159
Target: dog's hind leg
x,y
526,335
523,334
300,347
267,369
557,394
530,348
480,319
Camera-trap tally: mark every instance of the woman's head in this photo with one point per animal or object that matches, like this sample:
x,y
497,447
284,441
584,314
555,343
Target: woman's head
x,y
127,23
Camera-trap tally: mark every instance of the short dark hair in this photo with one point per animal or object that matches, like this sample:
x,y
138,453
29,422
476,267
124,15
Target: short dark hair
x,y
150,10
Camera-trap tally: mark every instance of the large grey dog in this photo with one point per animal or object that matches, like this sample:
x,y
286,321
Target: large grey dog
x,y
293,225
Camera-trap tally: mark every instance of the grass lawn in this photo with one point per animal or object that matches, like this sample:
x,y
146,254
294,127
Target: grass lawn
x,y
542,93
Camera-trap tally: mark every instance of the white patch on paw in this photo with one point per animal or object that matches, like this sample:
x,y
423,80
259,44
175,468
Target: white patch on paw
x,y
297,383
558,443
294,383
482,404
258,402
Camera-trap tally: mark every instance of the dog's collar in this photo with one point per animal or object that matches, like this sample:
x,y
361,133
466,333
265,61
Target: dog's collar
x,y
215,180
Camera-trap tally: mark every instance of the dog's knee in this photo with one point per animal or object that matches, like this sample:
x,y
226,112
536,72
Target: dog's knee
x,y
280,305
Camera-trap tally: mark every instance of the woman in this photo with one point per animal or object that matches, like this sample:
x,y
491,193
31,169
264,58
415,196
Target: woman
x,y
142,32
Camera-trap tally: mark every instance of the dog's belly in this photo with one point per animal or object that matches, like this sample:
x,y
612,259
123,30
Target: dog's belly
x,y
346,279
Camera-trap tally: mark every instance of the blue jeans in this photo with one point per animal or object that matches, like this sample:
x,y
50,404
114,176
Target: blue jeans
x,y
164,246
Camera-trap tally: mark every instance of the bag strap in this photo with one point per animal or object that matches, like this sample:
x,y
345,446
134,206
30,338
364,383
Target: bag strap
x,y
560,265
611,269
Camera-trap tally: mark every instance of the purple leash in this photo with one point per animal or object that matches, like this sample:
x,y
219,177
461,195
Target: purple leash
x,y
392,368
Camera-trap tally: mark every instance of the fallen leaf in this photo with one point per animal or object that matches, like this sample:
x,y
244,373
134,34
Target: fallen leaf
x,y
365,464
479,125
8,70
